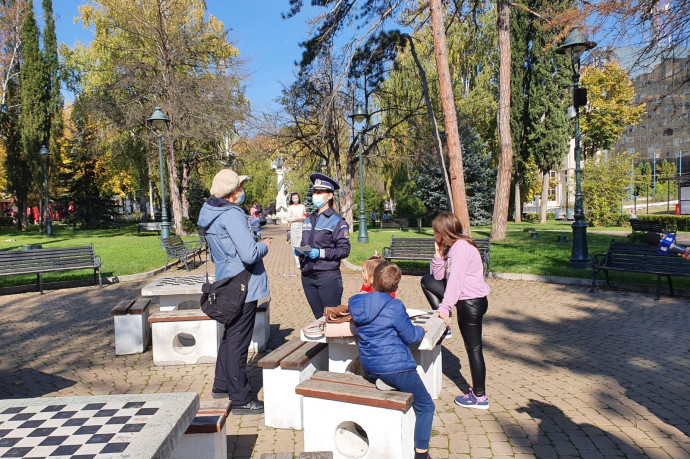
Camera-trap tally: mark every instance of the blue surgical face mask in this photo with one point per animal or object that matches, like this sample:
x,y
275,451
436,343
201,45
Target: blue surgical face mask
x,y
318,200
240,199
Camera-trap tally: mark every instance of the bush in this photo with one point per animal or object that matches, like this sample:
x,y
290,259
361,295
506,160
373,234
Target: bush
x,y
670,222
530,217
6,222
189,226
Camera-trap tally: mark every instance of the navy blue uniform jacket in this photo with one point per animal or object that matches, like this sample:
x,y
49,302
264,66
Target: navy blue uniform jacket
x,y
329,233
384,331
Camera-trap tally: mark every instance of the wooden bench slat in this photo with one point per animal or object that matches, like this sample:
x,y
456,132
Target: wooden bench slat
x,y
316,455
203,424
301,356
215,406
342,378
178,316
140,305
273,359
355,394
121,308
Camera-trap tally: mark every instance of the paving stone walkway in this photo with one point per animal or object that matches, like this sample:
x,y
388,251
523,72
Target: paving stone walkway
x,y
570,373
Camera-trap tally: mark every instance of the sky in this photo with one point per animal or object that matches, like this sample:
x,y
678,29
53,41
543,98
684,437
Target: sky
x,y
257,30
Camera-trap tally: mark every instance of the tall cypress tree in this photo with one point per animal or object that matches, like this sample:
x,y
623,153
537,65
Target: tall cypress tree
x,y
54,97
33,120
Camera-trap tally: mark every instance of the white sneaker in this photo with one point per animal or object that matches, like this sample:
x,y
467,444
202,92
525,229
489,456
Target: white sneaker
x,y
380,385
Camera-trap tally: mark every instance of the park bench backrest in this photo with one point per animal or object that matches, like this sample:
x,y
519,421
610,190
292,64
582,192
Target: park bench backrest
x,y
32,261
173,244
644,258
653,226
421,247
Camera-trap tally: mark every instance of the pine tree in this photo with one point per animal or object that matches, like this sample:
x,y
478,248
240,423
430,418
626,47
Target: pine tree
x,y
55,100
33,121
480,177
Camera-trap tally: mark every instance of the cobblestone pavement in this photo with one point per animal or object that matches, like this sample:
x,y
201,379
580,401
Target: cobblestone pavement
x,y
570,373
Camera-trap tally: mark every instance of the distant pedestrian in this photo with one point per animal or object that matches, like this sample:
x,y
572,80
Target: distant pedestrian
x,y
372,216
295,218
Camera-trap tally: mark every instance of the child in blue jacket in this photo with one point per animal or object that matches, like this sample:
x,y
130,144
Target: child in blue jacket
x,y
384,331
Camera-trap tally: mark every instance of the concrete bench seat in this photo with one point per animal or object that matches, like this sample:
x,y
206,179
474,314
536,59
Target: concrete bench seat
x,y
346,414
283,369
132,330
205,437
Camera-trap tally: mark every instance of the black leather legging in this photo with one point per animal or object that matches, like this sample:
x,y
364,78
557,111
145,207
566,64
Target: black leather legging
x,y
470,314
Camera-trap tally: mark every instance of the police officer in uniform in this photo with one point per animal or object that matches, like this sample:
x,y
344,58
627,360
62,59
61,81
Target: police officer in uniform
x,y
328,236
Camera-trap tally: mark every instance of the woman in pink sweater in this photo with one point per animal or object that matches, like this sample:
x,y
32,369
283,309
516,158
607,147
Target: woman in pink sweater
x,y
458,280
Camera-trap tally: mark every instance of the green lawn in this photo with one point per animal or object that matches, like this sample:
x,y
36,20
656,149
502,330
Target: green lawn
x,y
123,251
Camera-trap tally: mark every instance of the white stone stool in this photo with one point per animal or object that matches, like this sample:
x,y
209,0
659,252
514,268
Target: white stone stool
x,y
346,414
132,330
184,337
205,437
282,370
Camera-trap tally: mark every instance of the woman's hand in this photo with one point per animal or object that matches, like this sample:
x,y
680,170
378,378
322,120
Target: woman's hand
x,y
445,318
267,240
437,250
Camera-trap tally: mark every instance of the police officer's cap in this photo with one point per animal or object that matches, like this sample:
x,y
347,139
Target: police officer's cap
x,y
323,182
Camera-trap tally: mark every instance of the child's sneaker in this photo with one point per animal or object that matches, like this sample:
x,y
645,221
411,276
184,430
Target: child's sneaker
x,y
449,333
472,401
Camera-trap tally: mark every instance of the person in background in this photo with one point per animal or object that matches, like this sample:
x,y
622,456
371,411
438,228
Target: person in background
x,y
458,281
255,222
385,332
633,214
295,217
329,238
233,249
372,216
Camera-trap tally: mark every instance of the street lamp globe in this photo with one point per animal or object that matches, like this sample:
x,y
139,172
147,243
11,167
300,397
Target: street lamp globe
x,y
158,122
574,46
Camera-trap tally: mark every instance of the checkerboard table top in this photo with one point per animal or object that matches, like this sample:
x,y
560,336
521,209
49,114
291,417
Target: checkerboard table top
x,y
435,328
109,426
175,285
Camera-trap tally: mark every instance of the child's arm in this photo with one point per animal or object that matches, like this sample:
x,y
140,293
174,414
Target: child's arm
x,y
408,333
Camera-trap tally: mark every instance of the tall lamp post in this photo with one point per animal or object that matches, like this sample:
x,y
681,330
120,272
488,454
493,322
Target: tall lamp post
x,y
158,123
358,116
48,223
574,46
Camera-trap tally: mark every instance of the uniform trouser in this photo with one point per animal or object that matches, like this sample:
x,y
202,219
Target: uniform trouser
x,y
470,315
231,364
323,291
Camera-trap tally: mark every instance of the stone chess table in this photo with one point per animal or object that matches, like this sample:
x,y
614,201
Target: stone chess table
x,y
427,354
177,292
107,426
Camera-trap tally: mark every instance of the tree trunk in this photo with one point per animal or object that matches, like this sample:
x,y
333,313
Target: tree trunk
x,y
505,145
23,218
184,186
430,110
450,116
518,202
544,198
174,191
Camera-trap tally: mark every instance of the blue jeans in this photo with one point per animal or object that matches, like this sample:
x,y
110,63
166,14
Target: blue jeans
x,y
423,405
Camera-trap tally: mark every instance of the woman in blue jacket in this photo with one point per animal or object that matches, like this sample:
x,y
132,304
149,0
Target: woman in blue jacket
x,y
234,249
384,333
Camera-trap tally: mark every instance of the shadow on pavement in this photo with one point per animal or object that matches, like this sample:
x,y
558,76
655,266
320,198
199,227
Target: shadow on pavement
x,y
28,383
639,343
559,436
241,446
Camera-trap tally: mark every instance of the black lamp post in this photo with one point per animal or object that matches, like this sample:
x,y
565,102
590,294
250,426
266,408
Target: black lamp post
x,y
49,224
158,123
574,46
358,116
